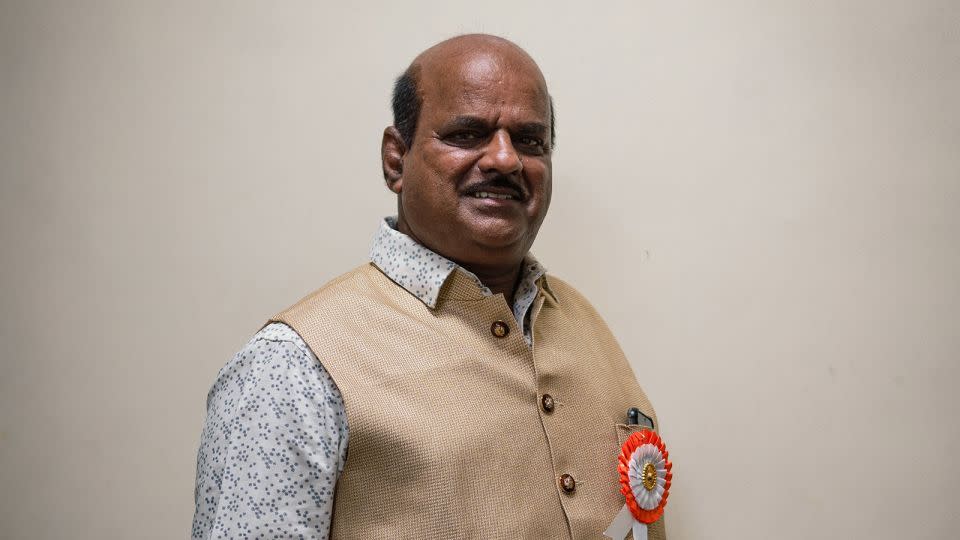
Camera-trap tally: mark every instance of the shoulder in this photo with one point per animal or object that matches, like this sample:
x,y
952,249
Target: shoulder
x,y
567,295
276,351
277,332
575,306
362,279
278,341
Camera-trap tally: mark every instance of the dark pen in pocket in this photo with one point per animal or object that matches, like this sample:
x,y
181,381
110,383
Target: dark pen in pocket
x,y
635,417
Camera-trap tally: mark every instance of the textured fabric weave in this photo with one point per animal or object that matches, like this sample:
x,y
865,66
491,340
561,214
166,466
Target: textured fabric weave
x,y
471,453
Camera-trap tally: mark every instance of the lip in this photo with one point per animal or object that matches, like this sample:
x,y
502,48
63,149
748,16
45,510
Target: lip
x,y
516,195
492,203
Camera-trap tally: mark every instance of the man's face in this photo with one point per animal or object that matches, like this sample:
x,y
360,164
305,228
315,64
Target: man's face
x,y
476,182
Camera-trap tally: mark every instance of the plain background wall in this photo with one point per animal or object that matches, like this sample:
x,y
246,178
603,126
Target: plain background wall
x,y
762,198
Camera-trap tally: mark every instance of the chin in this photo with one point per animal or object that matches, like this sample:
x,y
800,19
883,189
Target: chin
x,y
499,238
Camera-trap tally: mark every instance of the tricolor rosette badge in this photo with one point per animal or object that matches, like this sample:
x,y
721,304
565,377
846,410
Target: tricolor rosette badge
x,y
645,476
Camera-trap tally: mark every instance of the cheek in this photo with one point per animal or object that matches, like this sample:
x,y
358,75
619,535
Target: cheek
x,y
541,181
435,177
447,164
539,174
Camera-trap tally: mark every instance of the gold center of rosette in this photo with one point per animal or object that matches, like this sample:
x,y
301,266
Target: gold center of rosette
x,y
649,476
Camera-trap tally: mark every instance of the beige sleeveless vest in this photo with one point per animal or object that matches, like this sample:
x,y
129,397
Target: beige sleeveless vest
x,y
450,432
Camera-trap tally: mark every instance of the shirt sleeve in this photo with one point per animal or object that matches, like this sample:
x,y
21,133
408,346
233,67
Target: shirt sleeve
x,y
273,444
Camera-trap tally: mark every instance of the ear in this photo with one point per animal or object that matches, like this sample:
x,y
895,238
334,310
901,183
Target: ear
x,y
392,151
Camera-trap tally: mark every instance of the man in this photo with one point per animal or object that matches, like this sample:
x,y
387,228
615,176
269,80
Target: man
x,y
450,388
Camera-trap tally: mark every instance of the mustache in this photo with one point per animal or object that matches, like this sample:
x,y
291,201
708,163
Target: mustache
x,y
499,182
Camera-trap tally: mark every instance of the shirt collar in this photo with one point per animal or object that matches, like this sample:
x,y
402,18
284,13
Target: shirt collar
x,y
422,272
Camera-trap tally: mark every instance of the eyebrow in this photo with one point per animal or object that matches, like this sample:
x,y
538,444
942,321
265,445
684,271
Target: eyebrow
x,y
469,122
474,122
532,128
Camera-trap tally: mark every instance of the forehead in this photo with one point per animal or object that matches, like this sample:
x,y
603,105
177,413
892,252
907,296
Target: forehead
x,y
484,83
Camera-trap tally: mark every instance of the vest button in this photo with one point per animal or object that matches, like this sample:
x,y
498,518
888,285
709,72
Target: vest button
x,y
499,329
547,403
567,483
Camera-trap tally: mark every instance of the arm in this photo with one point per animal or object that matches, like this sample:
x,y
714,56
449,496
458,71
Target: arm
x,y
273,444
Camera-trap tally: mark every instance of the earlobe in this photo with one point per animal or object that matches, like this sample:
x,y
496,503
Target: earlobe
x,y
392,151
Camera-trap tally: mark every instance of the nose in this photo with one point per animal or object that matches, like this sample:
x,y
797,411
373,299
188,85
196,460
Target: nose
x,y
500,155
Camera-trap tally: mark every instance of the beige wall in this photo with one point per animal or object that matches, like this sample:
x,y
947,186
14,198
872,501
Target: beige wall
x,y
762,198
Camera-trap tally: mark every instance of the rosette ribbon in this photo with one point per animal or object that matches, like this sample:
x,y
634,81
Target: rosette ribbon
x,y
645,475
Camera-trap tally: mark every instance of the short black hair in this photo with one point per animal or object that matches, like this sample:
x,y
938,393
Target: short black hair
x,y
406,106
407,103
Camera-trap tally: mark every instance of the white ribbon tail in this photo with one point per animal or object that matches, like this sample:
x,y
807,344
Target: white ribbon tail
x,y
639,531
620,526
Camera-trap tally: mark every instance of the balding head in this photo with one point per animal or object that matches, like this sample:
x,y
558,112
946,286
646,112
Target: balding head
x,y
430,67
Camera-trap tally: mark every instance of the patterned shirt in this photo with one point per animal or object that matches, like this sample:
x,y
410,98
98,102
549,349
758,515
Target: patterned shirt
x,y
275,438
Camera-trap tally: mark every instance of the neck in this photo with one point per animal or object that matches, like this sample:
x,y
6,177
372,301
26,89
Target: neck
x,y
500,280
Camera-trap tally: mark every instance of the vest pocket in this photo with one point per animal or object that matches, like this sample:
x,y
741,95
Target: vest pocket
x,y
624,431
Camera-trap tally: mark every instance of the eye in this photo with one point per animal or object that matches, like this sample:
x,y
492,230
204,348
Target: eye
x,y
464,138
532,144
530,141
